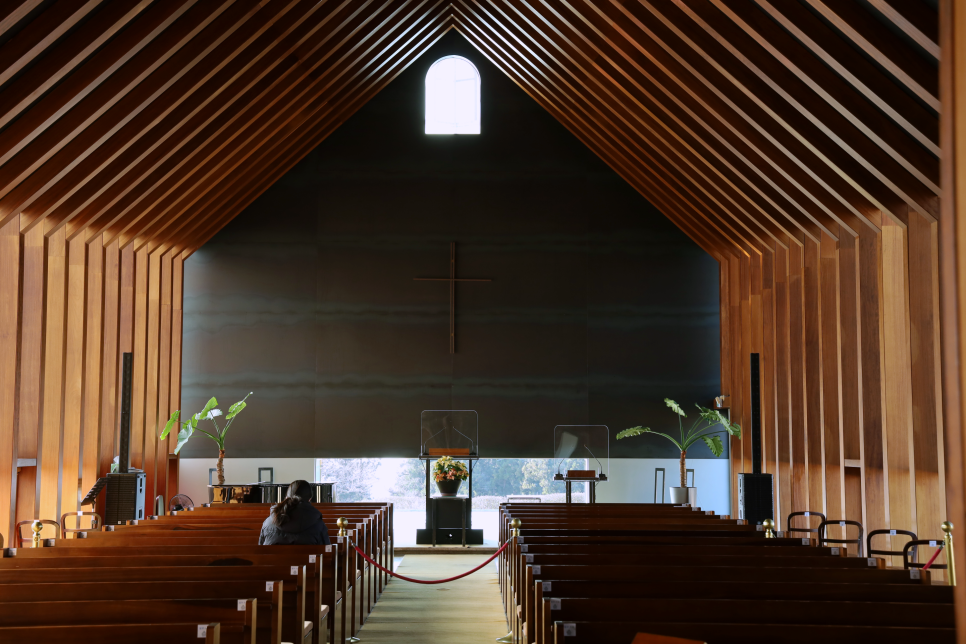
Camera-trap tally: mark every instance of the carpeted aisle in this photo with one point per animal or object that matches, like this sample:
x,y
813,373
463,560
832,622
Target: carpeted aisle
x,y
467,611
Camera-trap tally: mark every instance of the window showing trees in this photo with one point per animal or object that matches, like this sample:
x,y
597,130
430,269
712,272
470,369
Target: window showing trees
x,y
453,97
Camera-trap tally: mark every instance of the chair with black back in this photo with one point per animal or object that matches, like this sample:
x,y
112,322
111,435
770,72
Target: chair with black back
x,y
805,530
889,553
910,562
823,538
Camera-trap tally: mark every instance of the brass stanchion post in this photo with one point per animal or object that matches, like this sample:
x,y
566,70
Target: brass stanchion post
x,y
515,526
768,525
947,527
37,526
343,523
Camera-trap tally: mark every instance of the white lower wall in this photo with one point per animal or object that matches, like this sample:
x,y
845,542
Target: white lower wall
x,y
193,475
631,480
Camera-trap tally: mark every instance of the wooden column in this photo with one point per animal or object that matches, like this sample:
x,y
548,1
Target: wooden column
x,y
814,418
896,374
796,358
783,380
873,399
73,375
831,382
10,272
926,379
53,376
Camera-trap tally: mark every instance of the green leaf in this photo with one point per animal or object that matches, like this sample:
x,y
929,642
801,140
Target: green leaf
x,y
213,414
208,407
183,437
676,408
633,431
714,444
734,429
171,423
235,409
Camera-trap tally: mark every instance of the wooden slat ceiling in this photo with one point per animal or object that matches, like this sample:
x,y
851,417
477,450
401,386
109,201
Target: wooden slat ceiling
x,y
750,124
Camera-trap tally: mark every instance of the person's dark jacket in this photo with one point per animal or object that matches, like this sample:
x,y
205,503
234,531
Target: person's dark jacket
x,y
303,527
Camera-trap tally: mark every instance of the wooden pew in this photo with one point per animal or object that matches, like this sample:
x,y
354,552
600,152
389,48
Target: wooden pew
x,y
162,633
606,560
268,596
322,577
137,611
202,582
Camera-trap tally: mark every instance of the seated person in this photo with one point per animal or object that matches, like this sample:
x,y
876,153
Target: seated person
x,y
294,521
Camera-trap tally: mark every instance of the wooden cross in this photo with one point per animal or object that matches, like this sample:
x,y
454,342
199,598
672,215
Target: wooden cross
x,y
452,279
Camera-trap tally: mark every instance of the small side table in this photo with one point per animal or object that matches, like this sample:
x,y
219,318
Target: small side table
x,y
439,501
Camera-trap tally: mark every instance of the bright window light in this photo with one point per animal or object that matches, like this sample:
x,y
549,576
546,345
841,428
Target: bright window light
x,y
452,97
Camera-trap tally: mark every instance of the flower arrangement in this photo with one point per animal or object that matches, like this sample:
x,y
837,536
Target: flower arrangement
x,y
446,469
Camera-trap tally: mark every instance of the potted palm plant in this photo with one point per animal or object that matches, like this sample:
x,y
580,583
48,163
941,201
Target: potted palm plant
x,y
187,428
708,427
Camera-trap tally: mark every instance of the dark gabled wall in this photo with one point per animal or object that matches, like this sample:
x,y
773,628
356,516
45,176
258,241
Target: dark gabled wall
x,y
599,307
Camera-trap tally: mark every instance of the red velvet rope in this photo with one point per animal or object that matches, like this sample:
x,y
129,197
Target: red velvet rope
x,y
430,581
934,555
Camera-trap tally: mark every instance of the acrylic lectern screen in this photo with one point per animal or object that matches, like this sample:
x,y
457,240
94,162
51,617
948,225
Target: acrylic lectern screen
x,y
590,443
449,432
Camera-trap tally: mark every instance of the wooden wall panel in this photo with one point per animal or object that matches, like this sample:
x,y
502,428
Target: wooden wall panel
x,y
927,429
896,373
52,401
814,417
10,272
873,398
796,359
831,382
73,375
783,415
81,307
91,427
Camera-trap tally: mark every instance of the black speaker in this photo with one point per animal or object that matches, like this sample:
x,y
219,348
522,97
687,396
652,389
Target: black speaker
x,y
755,490
125,488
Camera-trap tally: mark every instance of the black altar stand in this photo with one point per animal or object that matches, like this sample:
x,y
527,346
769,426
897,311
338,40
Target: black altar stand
x,y
449,519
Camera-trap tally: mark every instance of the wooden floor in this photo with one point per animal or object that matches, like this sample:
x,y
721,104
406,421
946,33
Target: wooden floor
x,y
466,611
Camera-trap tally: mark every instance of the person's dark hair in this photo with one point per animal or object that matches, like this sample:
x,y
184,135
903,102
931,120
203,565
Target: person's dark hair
x,y
298,491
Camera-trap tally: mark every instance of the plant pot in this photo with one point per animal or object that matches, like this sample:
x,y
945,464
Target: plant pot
x,y
682,495
448,487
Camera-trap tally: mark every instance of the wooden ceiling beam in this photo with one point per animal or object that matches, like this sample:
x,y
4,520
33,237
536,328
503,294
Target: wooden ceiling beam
x,y
693,225
63,59
867,79
862,123
686,130
884,47
182,208
13,12
630,120
38,35
917,19
93,88
745,116
844,148
281,156
176,86
125,120
647,182
155,131
212,130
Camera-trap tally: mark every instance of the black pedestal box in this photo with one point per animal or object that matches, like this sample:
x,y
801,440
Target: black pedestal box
x,y
755,497
125,497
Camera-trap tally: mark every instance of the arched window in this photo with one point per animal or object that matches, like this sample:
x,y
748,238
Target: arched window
x,y
452,97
